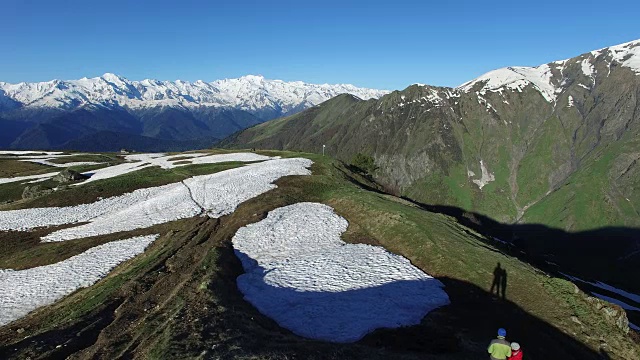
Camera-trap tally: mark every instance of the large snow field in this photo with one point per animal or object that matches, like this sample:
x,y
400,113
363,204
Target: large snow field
x,y
214,195
26,290
301,274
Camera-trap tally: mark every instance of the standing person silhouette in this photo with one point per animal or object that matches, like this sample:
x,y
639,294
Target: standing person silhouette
x,y
497,279
503,284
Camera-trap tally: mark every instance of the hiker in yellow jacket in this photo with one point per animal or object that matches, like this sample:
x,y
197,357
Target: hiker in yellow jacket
x,y
499,348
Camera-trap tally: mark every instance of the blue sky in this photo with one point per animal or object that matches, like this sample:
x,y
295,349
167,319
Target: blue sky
x,y
379,44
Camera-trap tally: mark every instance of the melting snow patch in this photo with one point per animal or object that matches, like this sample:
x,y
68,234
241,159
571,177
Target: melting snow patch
x,y
570,101
486,177
214,195
588,69
141,161
32,152
26,178
62,165
26,290
301,274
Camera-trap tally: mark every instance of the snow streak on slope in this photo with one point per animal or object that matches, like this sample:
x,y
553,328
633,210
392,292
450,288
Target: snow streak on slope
x,y
214,195
28,177
251,93
26,290
300,273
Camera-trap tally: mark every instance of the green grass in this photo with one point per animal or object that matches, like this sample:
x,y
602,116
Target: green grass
x,y
582,203
110,158
537,165
13,168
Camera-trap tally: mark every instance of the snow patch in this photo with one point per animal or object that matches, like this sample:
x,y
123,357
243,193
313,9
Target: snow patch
x,y
28,178
300,273
588,69
142,161
570,101
62,165
486,177
23,291
29,152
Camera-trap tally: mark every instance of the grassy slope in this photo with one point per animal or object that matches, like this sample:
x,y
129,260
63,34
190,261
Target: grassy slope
x,y
179,298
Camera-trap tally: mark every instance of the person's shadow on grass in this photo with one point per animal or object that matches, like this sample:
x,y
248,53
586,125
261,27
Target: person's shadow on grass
x,y
499,282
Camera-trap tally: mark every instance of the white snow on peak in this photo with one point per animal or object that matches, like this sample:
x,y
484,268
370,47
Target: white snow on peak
x,y
251,93
516,78
627,54
542,78
26,290
301,274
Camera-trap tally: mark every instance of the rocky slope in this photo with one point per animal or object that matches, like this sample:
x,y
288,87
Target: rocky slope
x,y
62,113
555,145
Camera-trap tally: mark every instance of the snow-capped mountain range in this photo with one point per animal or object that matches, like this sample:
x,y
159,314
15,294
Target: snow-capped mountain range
x,y
250,93
109,112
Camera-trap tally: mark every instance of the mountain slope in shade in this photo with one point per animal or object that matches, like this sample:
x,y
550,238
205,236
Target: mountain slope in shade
x,y
174,111
556,145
